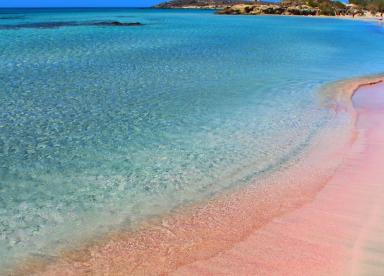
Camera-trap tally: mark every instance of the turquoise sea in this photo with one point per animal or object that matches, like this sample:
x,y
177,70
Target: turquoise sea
x,y
102,127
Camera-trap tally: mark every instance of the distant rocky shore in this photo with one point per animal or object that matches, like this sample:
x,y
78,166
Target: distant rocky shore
x,y
328,8
199,4
279,9
358,8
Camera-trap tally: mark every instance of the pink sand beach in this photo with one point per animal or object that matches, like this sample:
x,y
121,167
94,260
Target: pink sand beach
x,y
322,216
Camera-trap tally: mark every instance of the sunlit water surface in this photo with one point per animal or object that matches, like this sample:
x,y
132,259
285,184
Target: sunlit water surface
x,y
102,127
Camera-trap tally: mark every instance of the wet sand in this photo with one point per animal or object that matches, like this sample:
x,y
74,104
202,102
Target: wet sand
x,y
341,232
324,215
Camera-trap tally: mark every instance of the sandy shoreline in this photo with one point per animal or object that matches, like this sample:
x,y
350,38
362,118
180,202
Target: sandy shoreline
x,y
370,19
316,224
341,232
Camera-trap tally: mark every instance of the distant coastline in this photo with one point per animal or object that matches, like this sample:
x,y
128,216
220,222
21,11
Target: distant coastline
x,y
198,4
286,7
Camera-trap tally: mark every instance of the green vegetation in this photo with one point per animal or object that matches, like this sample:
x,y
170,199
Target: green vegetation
x,y
325,7
287,7
328,7
197,3
373,6
313,4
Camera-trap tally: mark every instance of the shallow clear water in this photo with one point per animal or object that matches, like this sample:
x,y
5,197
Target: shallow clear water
x,y
102,127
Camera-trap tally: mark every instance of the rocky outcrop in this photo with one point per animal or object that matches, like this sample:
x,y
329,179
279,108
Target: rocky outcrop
x,y
301,10
279,9
296,7
285,7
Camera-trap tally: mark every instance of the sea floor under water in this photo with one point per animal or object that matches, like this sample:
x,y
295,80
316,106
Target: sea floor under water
x,y
322,216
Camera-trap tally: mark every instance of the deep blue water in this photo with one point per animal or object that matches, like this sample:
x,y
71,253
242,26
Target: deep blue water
x,y
106,126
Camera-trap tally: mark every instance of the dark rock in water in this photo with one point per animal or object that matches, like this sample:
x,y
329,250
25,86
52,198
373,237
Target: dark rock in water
x,y
115,23
11,17
38,25
54,25
9,12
